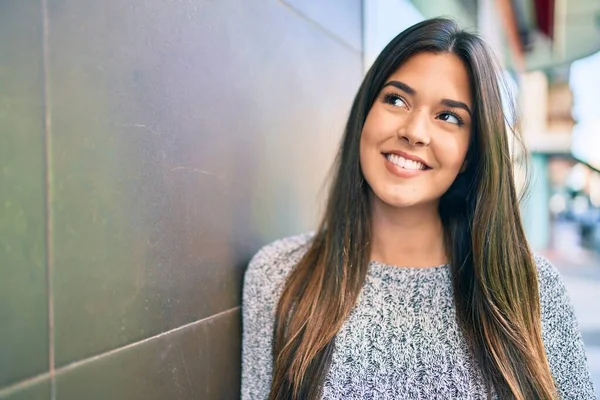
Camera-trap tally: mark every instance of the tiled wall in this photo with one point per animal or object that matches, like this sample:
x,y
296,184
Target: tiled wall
x,y
147,149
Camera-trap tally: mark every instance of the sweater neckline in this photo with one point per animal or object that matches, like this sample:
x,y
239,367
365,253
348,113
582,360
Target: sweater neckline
x,y
380,269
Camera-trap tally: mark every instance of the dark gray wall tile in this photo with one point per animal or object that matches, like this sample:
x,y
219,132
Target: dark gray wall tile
x,y
222,356
23,284
199,362
342,18
184,134
36,390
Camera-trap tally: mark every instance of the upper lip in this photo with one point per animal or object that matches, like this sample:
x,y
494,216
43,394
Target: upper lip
x,y
407,156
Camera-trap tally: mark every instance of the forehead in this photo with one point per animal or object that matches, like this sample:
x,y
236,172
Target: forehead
x,y
435,76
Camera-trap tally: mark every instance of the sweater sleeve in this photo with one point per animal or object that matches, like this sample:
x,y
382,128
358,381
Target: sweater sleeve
x,y
561,336
263,282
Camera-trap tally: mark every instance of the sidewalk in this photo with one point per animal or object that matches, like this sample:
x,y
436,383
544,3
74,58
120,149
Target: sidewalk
x,y
580,270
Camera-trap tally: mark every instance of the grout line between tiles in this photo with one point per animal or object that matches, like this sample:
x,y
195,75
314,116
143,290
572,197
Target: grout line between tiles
x,y
84,361
48,191
321,27
36,379
22,384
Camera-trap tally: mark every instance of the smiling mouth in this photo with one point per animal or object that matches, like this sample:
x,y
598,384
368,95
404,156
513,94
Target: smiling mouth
x,y
405,163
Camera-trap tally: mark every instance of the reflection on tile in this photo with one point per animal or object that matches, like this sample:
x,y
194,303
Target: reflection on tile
x,y
37,390
199,362
222,354
23,284
169,120
342,18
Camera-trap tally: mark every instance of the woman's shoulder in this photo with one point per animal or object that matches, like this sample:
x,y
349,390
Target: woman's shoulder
x,y
549,278
555,302
276,259
561,335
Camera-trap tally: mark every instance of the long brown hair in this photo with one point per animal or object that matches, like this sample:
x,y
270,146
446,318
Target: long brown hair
x,y
493,272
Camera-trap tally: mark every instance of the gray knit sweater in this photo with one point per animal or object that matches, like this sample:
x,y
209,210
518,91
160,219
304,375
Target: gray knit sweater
x,y
401,341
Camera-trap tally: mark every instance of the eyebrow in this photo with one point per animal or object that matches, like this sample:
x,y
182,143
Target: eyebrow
x,y
447,102
456,104
402,86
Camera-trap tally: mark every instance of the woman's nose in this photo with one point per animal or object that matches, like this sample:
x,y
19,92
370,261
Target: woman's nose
x,y
415,130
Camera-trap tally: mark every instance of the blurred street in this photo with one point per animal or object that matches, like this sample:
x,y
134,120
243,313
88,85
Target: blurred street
x,y
580,269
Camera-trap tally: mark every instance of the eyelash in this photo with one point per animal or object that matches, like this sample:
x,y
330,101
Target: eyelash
x,y
388,97
455,115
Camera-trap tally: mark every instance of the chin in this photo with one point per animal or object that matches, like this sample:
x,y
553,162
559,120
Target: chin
x,y
399,200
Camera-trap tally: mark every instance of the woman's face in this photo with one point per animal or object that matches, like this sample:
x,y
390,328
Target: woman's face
x,y
416,135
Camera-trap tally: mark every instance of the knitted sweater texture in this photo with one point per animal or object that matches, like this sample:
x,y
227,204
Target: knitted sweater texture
x,y
401,340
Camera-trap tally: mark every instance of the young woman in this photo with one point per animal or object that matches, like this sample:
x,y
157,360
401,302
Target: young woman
x,y
419,283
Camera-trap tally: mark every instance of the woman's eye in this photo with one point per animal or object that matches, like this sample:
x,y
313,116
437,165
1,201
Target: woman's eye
x,y
395,100
451,118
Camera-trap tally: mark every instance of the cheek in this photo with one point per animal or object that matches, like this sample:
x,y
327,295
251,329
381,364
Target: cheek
x,y
368,141
452,153
368,134
377,125
362,145
365,154
368,155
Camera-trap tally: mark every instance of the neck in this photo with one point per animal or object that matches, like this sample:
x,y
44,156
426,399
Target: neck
x,y
409,237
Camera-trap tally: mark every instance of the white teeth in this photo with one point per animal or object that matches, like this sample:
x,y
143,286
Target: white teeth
x,y
399,161
405,163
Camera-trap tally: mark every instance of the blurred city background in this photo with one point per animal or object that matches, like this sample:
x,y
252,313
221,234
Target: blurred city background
x,y
149,147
